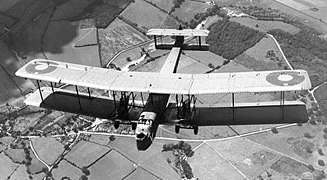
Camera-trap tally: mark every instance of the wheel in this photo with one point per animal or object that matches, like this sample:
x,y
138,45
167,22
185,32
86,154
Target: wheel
x,y
134,126
116,124
177,129
196,130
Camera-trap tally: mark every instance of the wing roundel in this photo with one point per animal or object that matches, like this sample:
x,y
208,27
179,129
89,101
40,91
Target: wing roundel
x,y
285,78
41,67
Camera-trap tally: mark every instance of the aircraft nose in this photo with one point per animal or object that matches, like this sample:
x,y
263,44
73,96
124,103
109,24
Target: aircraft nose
x,y
140,136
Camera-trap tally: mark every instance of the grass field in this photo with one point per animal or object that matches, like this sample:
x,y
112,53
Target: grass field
x,y
116,37
188,9
17,155
20,173
304,18
287,168
256,57
265,25
119,3
140,13
169,23
246,156
85,153
36,165
71,9
7,166
142,174
4,4
208,164
66,170
12,86
291,141
48,149
118,165
165,5
59,41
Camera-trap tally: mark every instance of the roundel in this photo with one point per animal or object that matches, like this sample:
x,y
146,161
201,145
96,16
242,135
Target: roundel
x,y
285,78
41,67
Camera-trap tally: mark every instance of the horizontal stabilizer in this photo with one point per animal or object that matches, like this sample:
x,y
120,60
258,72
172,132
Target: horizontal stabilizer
x,y
176,32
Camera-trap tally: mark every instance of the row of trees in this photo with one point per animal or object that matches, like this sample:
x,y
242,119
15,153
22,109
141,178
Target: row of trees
x,y
229,39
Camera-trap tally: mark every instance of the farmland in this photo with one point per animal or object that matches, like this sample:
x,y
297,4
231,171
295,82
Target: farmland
x,y
48,149
139,12
85,153
256,57
119,167
59,41
165,5
265,26
65,169
116,37
188,9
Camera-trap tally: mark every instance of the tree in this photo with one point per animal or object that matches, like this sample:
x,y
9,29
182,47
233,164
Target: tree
x,y
310,167
307,135
85,170
320,152
321,162
128,59
112,138
83,177
187,169
274,130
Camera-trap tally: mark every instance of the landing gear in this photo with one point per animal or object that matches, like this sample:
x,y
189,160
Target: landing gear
x,y
177,129
196,129
187,114
116,124
134,126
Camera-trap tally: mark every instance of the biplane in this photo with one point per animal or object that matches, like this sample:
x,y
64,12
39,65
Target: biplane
x,y
166,91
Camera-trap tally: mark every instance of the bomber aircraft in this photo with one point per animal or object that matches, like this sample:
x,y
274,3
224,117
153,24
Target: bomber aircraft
x,y
122,88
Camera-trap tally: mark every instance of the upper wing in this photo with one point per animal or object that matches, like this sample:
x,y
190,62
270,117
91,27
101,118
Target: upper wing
x,y
176,32
109,79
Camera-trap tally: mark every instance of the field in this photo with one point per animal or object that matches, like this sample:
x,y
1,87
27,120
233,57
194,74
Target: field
x,y
165,5
205,57
208,164
11,86
4,4
189,65
266,25
119,167
124,151
256,57
48,149
249,158
36,166
85,153
287,168
304,18
16,155
8,166
20,173
6,22
294,143
71,9
59,42
116,37
139,13
188,9
119,3
65,169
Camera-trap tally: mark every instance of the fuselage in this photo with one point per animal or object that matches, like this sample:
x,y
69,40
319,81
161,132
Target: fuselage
x,y
149,119
155,106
